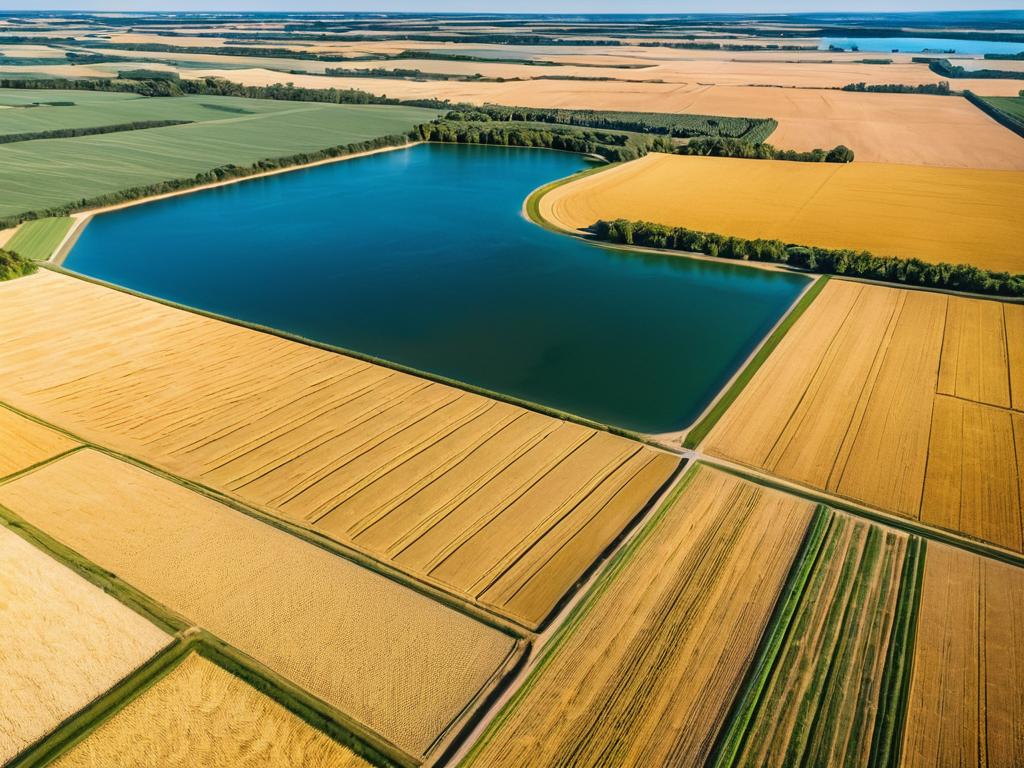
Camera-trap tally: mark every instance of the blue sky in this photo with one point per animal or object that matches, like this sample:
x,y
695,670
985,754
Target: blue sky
x,y
515,6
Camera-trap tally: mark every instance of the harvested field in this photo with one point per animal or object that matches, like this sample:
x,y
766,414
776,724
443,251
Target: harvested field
x,y
934,214
400,663
646,669
967,689
833,693
897,399
65,642
880,127
504,506
202,715
23,442
39,238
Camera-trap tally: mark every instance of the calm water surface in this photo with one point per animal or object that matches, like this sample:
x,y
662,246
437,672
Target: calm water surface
x,y
421,257
920,44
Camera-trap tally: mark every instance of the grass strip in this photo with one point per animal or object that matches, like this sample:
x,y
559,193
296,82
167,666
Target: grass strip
x,y
698,432
737,725
38,239
531,206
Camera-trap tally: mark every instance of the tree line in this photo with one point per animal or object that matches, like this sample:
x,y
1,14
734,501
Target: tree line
x,y
1013,122
725,147
68,133
932,89
943,68
828,261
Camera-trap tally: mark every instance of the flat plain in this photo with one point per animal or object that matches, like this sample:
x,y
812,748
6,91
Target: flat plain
x,y
645,670
200,714
909,401
504,506
935,214
967,689
65,642
398,662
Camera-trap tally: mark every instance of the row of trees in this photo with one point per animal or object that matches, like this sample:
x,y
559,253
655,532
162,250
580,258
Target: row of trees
x,y
943,68
725,147
1011,121
830,261
68,133
932,89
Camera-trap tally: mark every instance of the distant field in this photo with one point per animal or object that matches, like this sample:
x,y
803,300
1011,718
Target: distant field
x,y
36,175
37,239
396,661
65,642
1011,105
967,689
646,669
501,505
23,442
934,214
223,721
909,401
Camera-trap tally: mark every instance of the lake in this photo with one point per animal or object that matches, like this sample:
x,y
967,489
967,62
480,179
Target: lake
x,y
920,44
421,256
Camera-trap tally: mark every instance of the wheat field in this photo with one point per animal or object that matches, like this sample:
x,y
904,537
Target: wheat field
x,y
954,215
395,660
202,715
908,401
496,503
63,642
24,442
967,689
647,668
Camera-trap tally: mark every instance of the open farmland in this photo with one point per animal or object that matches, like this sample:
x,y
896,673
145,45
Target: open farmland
x,y
38,175
504,506
833,691
24,442
398,662
64,643
967,689
908,401
39,238
223,721
645,670
950,215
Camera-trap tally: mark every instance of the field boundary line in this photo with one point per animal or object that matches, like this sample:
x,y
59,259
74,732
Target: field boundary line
x,y
890,519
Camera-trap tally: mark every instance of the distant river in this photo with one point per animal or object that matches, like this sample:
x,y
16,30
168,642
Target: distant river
x,y
920,44
421,257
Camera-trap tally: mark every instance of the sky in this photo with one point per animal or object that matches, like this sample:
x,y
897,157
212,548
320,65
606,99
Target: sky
x,y
515,6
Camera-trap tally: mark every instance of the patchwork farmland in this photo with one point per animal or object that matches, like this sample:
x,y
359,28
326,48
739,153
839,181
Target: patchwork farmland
x,y
934,214
907,401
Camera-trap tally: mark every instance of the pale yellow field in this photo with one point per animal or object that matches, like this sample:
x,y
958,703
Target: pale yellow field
x,y
880,127
496,503
201,715
953,215
647,674
24,442
63,642
966,703
402,664
899,399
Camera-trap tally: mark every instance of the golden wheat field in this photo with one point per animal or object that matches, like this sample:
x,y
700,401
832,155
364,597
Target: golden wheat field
x,y
502,505
647,669
202,715
24,442
967,689
935,214
63,642
392,658
898,399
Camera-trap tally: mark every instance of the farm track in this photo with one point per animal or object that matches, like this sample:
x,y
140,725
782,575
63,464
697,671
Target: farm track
x,y
480,498
868,398
645,669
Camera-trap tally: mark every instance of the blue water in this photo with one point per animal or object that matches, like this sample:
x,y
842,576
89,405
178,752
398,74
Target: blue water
x,y
920,44
421,257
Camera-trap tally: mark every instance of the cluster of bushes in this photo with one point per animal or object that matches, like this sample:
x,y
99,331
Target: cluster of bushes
x,y
944,68
829,261
148,74
679,126
221,173
725,147
68,133
931,89
1011,121
14,265
614,147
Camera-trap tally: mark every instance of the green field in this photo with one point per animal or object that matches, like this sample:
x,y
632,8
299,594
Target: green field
x,y
1011,105
36,175
37,239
